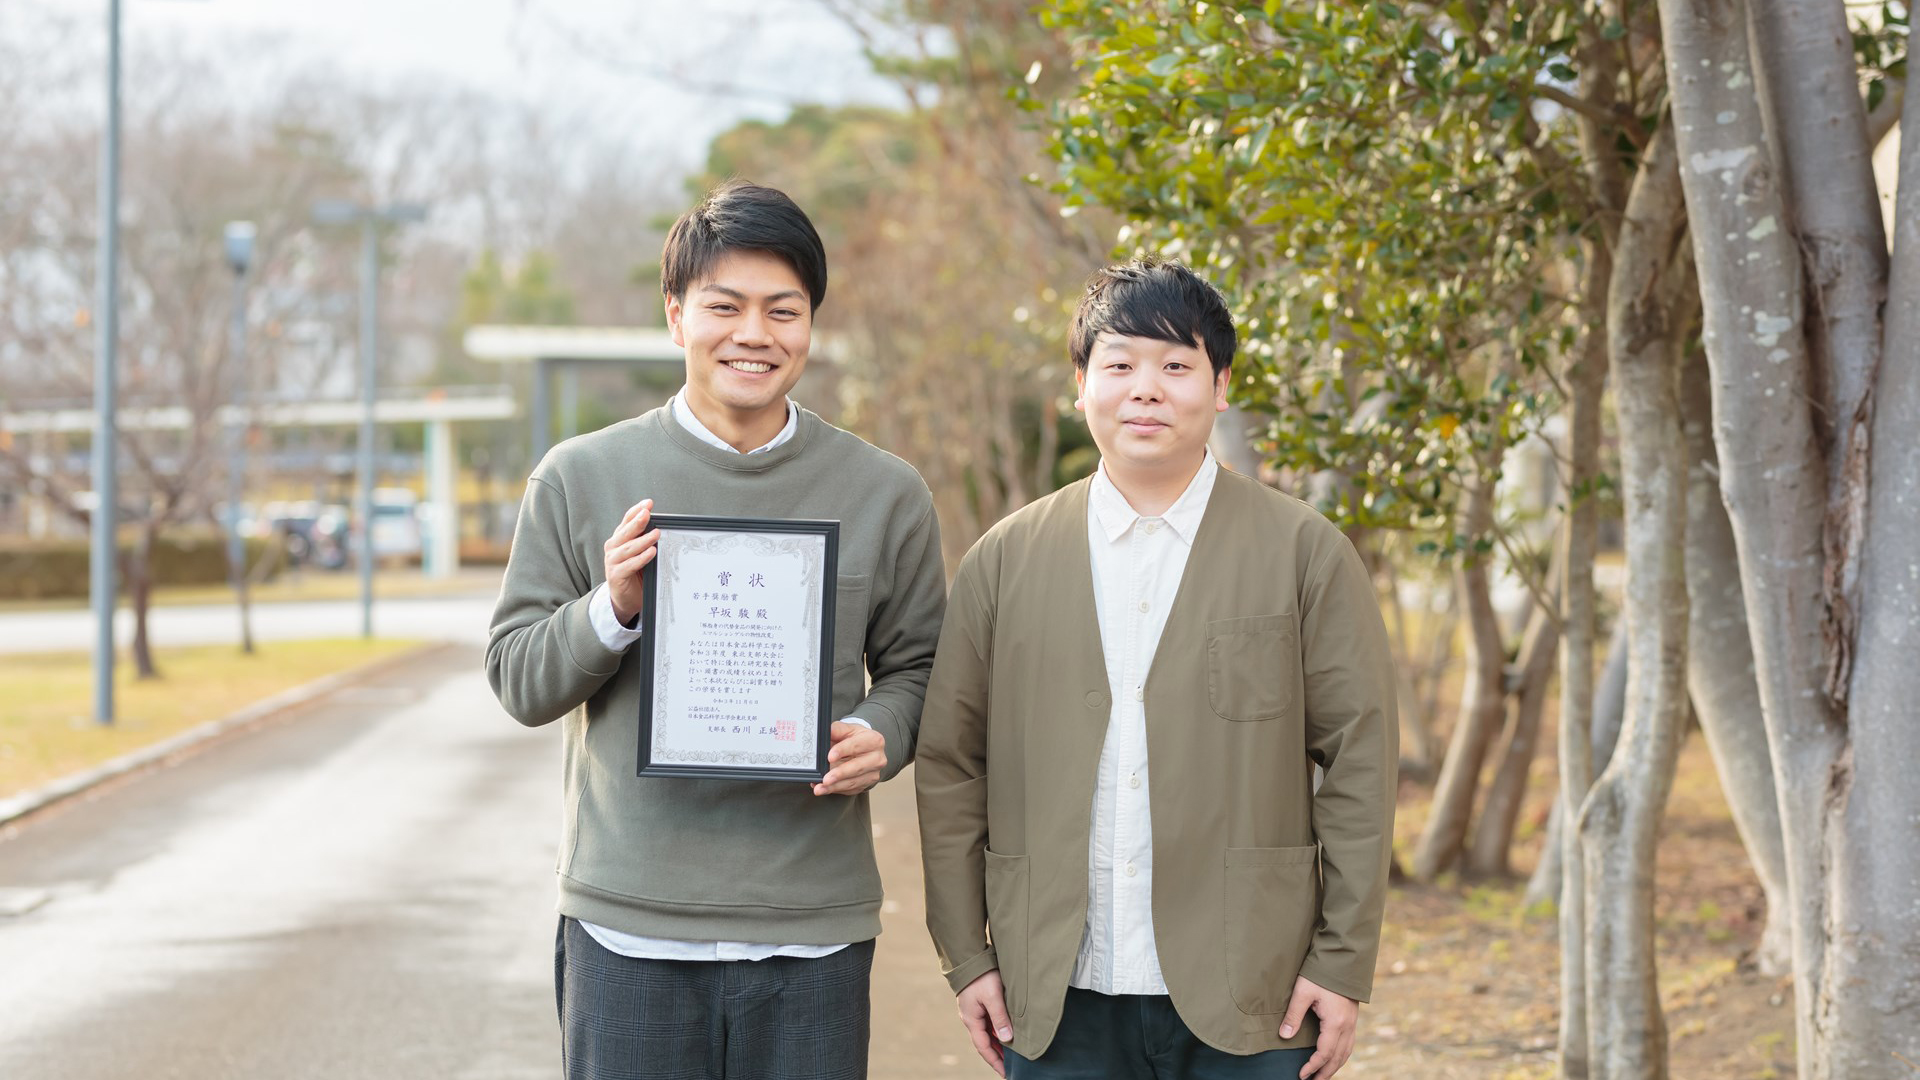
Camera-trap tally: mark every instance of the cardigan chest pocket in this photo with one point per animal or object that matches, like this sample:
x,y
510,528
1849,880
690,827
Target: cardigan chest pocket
x,y
1248,673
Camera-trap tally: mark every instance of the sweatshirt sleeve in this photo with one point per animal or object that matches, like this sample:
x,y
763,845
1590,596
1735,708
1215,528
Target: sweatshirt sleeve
x,y
544,657
901,635
1353,734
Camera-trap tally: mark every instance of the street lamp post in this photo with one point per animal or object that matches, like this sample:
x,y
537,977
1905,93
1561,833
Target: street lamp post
x,y
101,577
239,248
369,218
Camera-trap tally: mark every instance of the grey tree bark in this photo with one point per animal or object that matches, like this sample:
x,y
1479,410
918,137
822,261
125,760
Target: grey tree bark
x,y
1720,675
1618,824
1609,709
1481,709
1809,82
1489,852
1586,380
1419,748
1772,472
1870,1025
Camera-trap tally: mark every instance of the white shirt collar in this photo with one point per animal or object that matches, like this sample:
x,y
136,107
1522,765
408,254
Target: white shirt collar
x,y
1116,515
684,413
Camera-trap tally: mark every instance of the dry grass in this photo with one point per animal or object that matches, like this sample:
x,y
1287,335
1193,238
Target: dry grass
x,y
46,730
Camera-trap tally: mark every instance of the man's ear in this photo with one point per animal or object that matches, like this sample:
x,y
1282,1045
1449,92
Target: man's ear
x,y
1220,384
1080,388
674,311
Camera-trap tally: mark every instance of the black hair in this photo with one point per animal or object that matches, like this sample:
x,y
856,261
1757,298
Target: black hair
x,y
1148,298
738,216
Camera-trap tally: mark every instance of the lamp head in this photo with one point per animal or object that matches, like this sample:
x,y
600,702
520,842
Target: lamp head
x,y
239,245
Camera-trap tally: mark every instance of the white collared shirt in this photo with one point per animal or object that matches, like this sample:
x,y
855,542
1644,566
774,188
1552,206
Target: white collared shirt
x,y
606,625
1137,566
617,637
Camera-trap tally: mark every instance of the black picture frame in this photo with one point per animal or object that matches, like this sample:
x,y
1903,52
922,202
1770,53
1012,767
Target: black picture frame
x,y
650,640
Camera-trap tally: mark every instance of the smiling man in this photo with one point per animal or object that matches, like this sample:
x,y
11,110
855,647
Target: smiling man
x,y
1135,680
718,928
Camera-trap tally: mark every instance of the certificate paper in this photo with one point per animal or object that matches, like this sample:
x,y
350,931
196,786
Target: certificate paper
x,y
739,619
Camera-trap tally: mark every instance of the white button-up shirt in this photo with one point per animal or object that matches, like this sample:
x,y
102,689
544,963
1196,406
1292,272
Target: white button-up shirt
x,y
1137,565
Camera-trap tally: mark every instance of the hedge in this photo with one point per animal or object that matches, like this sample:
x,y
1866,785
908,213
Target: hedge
x,y
59,569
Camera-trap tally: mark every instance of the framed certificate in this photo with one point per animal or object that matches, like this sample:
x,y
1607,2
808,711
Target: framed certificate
x,y
736,671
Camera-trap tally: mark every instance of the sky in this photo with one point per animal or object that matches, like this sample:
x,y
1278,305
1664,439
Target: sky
x,y
668,73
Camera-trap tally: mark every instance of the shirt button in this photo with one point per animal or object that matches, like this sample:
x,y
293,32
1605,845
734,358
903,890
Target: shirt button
x,y
1144,605
1133,781
1152,528
1131,869
1139,693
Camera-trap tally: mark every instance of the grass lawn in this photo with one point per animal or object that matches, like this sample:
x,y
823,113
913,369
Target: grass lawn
x,y
46,727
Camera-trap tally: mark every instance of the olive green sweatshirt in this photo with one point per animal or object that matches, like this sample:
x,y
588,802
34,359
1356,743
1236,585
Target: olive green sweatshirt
x,y
715,860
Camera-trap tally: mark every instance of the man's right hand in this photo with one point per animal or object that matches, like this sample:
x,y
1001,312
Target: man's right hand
x,y
629,549
983,1008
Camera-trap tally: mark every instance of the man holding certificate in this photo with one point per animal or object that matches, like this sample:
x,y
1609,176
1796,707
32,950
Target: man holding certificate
x,y
718,890
1137,676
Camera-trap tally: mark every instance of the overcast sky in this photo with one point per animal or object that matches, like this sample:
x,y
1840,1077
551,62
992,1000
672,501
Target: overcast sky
x,y
667,73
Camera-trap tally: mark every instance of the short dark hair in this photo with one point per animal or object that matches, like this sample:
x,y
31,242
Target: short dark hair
x,y
1149,298
738,216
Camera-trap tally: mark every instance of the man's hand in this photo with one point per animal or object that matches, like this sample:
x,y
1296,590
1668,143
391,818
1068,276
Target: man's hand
x,y
1339,1016
983,1008
855,762
629,549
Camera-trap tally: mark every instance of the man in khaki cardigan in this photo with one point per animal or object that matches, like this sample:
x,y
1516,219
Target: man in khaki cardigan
x,y
1215,915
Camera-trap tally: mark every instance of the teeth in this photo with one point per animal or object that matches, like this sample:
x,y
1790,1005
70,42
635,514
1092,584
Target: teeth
x,y
749,366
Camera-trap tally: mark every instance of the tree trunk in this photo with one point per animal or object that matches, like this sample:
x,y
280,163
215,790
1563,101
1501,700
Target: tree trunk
x,y
139,573
1720,677
1481,709
1772,474
1873,974
1810,90
1488,855
1609,709
1431,675
1619,822
1232,442
1418,749
1587,381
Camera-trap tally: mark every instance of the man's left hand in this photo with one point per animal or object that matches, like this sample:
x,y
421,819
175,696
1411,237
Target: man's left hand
x,y
854,764
1339,1016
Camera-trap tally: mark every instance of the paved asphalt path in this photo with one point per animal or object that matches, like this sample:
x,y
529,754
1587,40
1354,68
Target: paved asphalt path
x,y
361,889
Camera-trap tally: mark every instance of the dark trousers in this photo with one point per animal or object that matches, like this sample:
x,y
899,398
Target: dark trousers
x,y
1140,1037
782,1018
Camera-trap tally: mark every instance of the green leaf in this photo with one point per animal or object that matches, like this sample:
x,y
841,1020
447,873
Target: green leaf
x,y
1165,64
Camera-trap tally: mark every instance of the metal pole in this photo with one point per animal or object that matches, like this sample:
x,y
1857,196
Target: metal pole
x,y
369,323
237,448
105,375
542,409
569,400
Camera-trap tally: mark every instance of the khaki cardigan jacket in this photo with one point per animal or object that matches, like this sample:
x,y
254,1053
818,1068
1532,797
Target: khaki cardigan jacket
x,y
1274,658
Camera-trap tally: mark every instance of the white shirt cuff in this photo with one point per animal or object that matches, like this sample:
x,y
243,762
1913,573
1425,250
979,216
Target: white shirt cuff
x,y
854,720
606,624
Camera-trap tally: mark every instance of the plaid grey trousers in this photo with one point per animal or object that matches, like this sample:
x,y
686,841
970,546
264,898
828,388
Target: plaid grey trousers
x,y
783,1018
